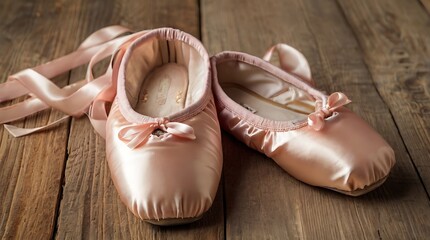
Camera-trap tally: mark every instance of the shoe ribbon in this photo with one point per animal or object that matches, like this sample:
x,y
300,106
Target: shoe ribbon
x,y
326,108
135,135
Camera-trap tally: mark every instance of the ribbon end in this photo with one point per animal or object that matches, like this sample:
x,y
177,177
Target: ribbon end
x,y
19,132
192,137
14,131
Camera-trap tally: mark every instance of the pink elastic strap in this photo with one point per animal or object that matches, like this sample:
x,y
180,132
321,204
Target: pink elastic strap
x,y
291,61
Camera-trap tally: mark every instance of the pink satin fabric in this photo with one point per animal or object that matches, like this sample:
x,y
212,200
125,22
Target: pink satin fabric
x,y
324,110
291,61
346,155
174,175
332,147
136,134
168,176
87,96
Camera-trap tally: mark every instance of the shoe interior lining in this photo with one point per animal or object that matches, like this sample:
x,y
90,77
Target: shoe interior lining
x,y
164,77
262,93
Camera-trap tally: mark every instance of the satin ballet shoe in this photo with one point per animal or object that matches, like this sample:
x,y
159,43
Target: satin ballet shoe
x,y
153,106
312,136
163,138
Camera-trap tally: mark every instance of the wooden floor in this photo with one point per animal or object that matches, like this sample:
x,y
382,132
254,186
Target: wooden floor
x,y
56,184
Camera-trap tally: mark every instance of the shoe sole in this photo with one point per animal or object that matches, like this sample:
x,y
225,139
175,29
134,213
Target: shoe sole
x,y
172,221
360,192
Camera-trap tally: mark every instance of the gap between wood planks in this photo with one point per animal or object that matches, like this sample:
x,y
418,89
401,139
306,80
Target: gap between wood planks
x,y
63,175
425,4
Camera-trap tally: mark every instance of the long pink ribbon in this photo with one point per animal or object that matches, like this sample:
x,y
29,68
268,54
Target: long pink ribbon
x,y
88,96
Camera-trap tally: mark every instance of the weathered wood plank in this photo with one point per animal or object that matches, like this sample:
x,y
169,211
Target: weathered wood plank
x,y
261,201
426,4
396,43
91,208
31,167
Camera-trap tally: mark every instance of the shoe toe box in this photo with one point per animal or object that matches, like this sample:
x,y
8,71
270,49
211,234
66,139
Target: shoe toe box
x,y
167,177
156,186
347,155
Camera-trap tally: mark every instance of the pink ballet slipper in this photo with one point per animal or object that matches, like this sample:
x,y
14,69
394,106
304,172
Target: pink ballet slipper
x,y
162,136
153,105
310,135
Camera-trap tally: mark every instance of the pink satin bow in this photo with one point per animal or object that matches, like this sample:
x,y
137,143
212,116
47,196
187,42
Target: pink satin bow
x,y
325,109
137,134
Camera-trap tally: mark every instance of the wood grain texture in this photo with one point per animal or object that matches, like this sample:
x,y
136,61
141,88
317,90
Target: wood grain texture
x,y
31,167
56,184
396,44
426,4
91,208
261,201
